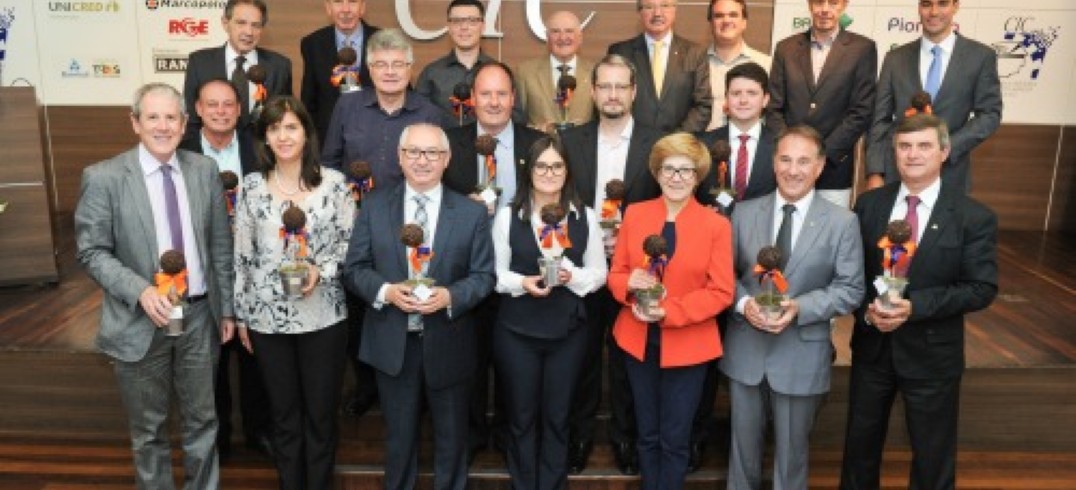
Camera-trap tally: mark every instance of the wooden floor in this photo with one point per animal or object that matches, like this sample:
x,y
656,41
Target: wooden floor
x,y
62,425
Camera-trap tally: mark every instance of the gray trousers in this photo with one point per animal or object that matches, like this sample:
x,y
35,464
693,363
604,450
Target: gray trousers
x,y
185,365
793,417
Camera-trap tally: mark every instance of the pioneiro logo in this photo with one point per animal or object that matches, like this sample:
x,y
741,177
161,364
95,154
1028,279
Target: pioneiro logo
x,y
74,70
186,4
188,27
1024,47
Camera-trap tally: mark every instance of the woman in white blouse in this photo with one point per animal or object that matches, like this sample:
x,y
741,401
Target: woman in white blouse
x,y
299,343
539,341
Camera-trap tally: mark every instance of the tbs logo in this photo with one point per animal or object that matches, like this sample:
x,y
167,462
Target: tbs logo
x,y
188,27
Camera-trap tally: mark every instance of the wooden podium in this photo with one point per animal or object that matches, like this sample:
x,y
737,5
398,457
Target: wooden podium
x,y
27,250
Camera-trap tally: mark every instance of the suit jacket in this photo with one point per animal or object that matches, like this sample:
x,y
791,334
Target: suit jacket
x,y
969,101
838,106
954,272
537,89
318,94
825,278
462,173
581,145
248,161
462,262
117,244
685,101
760,182
207,64
698,282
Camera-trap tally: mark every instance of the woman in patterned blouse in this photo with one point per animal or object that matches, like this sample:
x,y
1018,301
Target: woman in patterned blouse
x,y
299,343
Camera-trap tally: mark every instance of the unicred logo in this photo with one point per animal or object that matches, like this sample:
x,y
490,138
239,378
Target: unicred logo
x,y
188,26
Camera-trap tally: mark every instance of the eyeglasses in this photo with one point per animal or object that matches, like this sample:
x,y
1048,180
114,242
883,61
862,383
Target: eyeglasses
x,y
430,154
384,65
460,21
557,169
611,87
650,7
685,173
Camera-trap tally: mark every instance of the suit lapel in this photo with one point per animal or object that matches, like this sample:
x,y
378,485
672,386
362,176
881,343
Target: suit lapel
x,y
446,224
135,183
803,53
940,218
834,58
220,64
589,173
953,72
809,232
637,160
643,71
470,156
761,171
396,221
545,83
196,201
764,224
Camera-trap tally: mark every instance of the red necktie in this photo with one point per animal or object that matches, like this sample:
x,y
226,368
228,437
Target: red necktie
x,y
741,167
913,216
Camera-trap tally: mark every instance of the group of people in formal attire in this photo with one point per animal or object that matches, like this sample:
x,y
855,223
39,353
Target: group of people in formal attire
x,y
489,221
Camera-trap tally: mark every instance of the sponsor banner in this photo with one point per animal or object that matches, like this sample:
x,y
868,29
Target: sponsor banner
x,y
169,30
18,44
1036,58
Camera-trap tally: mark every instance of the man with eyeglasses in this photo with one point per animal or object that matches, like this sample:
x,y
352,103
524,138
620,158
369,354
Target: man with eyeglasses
x,y
728,21
319,50
674,85
438,80
540,79
615,146
421,340
824,78
243,22
364,121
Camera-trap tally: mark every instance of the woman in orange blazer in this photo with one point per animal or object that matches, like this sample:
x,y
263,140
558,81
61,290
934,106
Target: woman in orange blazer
x,y
668,346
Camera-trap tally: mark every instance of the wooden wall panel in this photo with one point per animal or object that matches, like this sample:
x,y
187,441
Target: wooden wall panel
x,y
82,136
1012,173
1063,203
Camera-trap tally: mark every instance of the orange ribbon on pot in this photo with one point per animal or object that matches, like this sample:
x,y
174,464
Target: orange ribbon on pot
x,y
420,254
260,93
775,275
911,111
610,207
298,236
896,255
165,282
559,231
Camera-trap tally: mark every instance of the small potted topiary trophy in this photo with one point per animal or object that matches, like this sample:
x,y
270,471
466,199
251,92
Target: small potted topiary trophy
x,y
172,283
257,75
566,86
231,192
345,74
723,193
414,237
772,284
294,272
611,214
553,237
897,252
360,180
486,145
655,248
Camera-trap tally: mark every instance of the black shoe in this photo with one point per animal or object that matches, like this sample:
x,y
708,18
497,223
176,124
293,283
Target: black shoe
x,y
578,454
694,459
626,457
356,406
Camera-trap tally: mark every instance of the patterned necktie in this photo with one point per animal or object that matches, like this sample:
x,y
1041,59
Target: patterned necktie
x,y
239,79
657,65
414,320
171,208
934,74
740,185
784,234
564,69
912,218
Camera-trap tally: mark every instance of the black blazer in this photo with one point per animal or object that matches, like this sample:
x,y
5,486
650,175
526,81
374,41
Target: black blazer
x,y
462,262
248,161
762,180
581,145
839,106
954,271
207,64
462,173
686,100
318,94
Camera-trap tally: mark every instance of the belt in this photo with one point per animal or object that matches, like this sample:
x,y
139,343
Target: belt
x,y
195,299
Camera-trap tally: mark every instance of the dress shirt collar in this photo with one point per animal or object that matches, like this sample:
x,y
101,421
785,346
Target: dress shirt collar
x,y
625,134
801,206
230,54
572,63
825,42
755,132
650,41
741,54
452,59
150,164
231,143
947,45
434,194
928,197
355,37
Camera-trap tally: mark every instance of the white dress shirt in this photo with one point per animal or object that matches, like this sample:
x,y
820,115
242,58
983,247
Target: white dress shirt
x,y
926,56
928,198
151,170
612,159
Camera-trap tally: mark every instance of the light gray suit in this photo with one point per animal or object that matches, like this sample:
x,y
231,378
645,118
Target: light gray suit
x,y
825,278
117,245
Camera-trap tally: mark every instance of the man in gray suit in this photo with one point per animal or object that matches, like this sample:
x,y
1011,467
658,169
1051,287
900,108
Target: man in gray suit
x,y
134,207
421,340
786,361
961,76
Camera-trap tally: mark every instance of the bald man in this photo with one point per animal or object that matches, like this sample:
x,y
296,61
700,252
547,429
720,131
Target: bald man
x,y
538,77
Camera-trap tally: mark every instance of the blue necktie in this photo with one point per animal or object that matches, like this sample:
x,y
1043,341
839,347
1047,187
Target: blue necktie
x,y
934,74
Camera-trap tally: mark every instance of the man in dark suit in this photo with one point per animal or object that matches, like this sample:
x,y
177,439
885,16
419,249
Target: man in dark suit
x,y
962,79
674,74
494,96
613,147
915,346
243,22
231,149
319,49
422,340
824,78
133,208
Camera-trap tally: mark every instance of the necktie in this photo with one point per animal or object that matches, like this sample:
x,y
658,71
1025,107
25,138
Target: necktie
x,y
564,69
171,208
239,79
657,65
740,186
913,216
784,234
934,74
414,320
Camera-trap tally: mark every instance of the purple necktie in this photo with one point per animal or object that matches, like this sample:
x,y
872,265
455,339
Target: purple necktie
x,y
913,216
171,205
